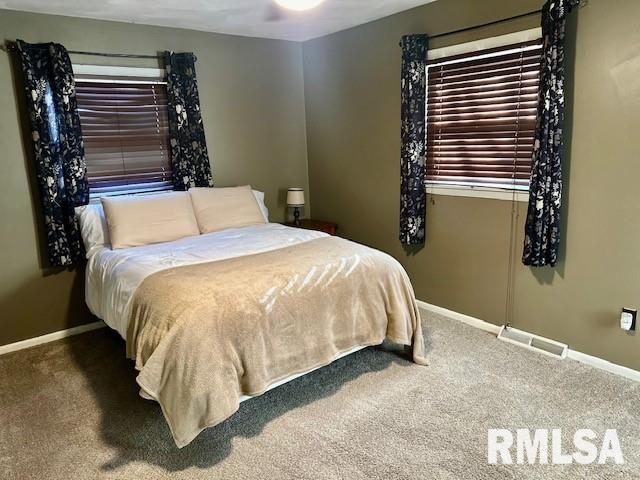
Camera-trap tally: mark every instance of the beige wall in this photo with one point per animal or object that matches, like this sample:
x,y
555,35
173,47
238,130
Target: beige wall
x,y
352,97
251,93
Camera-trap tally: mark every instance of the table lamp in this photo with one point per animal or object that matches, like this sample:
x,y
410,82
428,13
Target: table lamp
x,y
295,199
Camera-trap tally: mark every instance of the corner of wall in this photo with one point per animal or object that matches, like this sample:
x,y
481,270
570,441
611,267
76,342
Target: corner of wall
x,y
306,126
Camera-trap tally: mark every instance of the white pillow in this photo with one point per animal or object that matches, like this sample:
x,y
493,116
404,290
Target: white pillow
x,y
93,227
263,208
221,208
145,219
95,232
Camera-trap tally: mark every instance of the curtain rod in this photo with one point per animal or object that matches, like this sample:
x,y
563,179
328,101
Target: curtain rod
x,y
488,24
11,46
580,4
481,25
119,55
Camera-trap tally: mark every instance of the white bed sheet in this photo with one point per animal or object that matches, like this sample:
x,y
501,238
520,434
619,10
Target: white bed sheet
x,y
112,276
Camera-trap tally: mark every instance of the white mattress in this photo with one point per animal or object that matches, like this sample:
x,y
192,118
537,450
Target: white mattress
x,y
112,276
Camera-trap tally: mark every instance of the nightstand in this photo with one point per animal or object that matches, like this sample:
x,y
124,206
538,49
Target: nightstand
x,y
308,224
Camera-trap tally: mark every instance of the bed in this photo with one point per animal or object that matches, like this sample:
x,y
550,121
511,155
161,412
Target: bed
x,y
214,319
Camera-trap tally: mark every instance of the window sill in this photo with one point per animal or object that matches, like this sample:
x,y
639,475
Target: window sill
x,y
478,192
128,190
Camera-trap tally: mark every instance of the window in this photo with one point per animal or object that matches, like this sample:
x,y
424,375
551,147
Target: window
x,y
125,130
481,115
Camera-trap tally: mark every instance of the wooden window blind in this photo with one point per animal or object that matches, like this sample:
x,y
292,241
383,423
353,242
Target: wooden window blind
x,y
481,116
125,132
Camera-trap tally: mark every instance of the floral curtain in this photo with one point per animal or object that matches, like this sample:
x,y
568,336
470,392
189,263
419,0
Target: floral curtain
x,y
57,140
189,157
542,227
413,148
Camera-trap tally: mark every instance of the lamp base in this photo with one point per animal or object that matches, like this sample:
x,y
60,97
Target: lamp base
x,y
296,216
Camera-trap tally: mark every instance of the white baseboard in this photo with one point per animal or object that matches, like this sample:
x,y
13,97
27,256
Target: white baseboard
x,y
584,358
461,317
50,337
604,365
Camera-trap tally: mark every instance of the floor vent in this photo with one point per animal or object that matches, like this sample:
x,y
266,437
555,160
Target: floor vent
x,y
533,342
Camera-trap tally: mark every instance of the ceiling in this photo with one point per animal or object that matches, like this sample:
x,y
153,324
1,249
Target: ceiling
x,y
254,18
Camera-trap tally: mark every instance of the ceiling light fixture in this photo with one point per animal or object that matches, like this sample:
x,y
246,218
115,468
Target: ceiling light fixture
x,y
299,5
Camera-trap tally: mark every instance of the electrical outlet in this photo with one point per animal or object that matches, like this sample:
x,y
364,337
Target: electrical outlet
x,y
628,319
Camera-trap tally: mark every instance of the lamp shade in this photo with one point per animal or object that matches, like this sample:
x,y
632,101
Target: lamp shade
x,y
295,197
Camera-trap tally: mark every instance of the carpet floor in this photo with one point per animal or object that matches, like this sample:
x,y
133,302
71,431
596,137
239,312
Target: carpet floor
x,y
71,410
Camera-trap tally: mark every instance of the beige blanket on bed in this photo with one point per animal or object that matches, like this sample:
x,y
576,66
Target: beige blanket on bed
x,y
204,335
